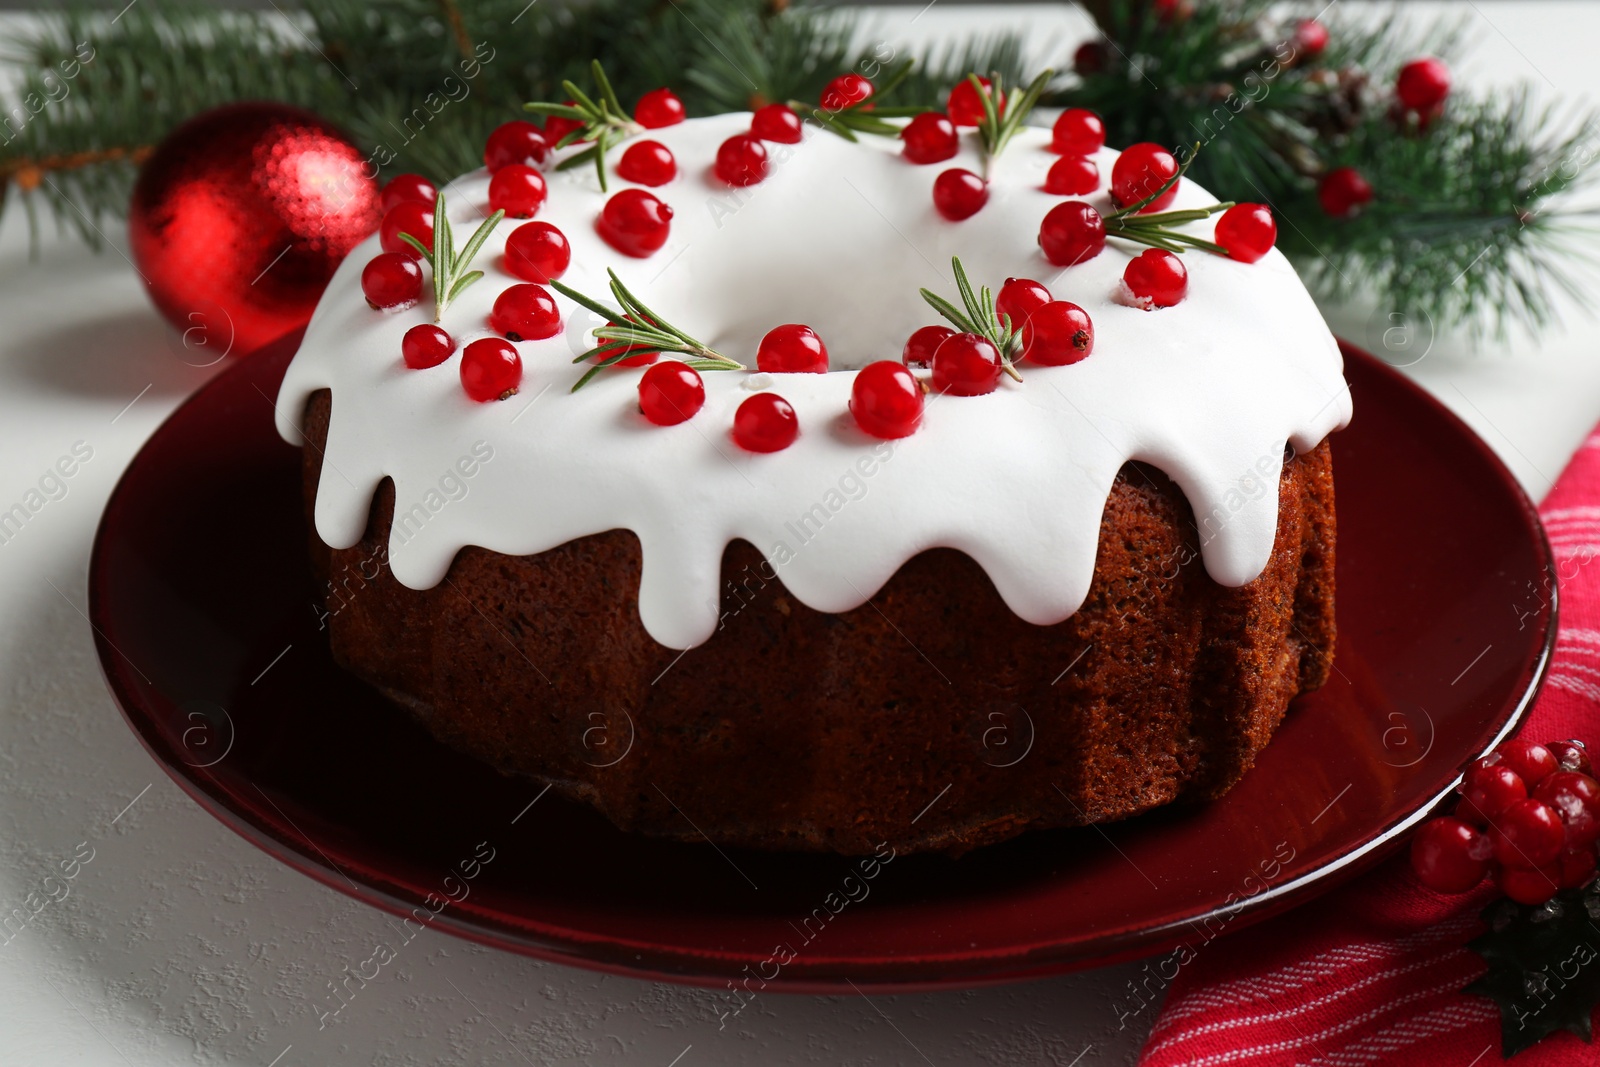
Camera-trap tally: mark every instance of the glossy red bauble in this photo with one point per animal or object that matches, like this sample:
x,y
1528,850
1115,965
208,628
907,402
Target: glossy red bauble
x,y
1078,132
490,369
658,108
537,252
1058,334
1343,191
1449,856
1247,231
886,400
1488,791
1072,176
403,187
1528,833
1072,233
425,346
765,423
1423,85
959,194
517,190
525,312
777,123
966,106
391,281
1157,278
648,163
742,160
516,142
1140,171
966,365
923,343
635,223
930,138
671,392
1018,298
792,348
408,216
845,91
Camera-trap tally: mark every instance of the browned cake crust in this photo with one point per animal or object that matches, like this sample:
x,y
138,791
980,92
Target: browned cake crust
x,y
930,718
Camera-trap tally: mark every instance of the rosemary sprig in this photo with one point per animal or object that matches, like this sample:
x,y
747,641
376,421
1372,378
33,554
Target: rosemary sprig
x,y
864,116
1003,112
450,274
605,122
1156,230
636,327
979,317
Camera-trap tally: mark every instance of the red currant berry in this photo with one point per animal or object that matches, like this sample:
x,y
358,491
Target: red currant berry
x,y
1072,233
409,216
658,108
1449,856
556,127
525,312
1072,176
1527,886
1576,799
1090,57
1140,171
845,91
1577,867
1019,298
635,223
515,142
1488,791
490,369
765,423
391,281
426,346
1528,833
777,123
1423,84
1078,132
930,138
1531,760
966,365
1570,755
1311,37
959,194
966,106
1247,231
1343,191
792,348
1058,334
886,400
537,252
742,160
517,190
671,392
403,187
648,163
922,344
1157,278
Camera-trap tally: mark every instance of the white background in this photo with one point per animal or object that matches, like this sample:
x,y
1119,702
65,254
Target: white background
x,y
181,944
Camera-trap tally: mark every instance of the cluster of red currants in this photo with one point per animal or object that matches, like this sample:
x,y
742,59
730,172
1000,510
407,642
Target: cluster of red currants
x,y
1054,333
1529,814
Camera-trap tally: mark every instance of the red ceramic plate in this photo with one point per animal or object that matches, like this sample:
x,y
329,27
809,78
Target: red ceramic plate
x,y
204,612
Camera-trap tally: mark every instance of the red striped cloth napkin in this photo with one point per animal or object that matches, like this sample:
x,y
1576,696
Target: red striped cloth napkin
x,y
1375,976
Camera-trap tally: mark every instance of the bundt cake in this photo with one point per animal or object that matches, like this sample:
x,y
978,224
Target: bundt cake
x,y
1054,578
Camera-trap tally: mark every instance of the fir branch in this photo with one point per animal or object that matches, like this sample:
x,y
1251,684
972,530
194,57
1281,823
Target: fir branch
x,y
636,327
450,274
978,316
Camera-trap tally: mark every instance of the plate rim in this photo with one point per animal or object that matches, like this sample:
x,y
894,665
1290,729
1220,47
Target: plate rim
x,y
607,953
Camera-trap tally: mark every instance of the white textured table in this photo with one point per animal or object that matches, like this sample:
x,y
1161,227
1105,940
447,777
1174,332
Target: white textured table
x,y
179,943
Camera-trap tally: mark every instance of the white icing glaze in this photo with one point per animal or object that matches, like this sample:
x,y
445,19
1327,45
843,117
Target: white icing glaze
x,y
839,236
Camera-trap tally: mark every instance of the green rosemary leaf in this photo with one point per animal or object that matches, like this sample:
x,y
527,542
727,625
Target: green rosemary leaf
x,y
581,97
607,93
609,314
462,282
427,253
957,318
480,235
580,158
564,111
895,80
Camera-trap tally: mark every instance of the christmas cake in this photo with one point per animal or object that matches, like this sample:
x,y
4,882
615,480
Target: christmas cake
x,y
698,508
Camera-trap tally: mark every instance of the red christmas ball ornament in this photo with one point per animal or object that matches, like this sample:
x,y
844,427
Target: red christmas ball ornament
x,y
658,108
516,142
1343,192
1078,132
1072,176
648,163
1247,231
930,138
240,217
966,106
1139,171
635,223
1423,85
777,123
